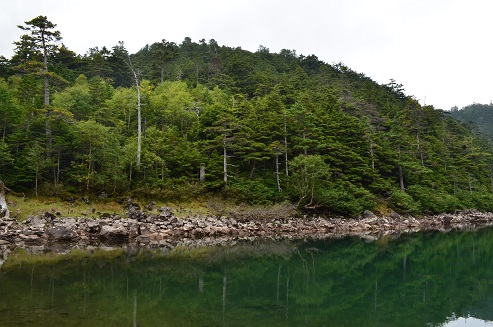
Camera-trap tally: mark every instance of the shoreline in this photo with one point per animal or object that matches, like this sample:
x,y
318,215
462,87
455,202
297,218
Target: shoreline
x,y
142,229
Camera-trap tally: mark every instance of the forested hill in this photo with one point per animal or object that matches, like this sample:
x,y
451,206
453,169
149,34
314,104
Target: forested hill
x,y
477,116
207,119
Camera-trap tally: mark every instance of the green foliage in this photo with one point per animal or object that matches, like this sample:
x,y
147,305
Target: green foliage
x,y
433,200
402,202
346,198
266,126
477,116
257,191
309,177
480,199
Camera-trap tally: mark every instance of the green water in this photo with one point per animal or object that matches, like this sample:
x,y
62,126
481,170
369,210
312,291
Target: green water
x,y
418,280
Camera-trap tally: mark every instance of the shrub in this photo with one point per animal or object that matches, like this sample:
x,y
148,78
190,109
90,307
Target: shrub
x,y
346,199
252,191
480,199
402,202
433,200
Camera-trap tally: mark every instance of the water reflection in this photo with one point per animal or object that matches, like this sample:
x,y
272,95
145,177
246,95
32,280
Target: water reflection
x,y
418,280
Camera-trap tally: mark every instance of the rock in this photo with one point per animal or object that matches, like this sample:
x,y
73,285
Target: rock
x,y
30,238
447,219
114,233
93,226
165,212
131,206
35,221
394,215
133,230
151,206
146,230
69,223
49,216
367,214
61,233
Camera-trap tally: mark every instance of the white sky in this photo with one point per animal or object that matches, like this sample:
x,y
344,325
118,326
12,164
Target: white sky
x,y
440,50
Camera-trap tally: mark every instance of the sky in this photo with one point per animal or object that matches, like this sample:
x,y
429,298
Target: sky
x,y
439,50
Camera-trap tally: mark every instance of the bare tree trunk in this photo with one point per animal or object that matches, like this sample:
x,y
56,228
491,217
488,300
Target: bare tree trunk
x,y
372,152
139,121
305,148
420,149
202,173
57,176
4,211
401,174
49,137
286,143
46,83
279,189
36,184
225,162
139,118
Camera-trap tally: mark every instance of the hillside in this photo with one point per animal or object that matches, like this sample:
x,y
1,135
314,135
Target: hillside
x,y
207,119
477,116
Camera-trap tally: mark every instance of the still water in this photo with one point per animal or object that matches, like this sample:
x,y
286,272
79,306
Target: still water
x,y
430,279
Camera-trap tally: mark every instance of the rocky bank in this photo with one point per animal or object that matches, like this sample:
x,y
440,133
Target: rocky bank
x,y
165,229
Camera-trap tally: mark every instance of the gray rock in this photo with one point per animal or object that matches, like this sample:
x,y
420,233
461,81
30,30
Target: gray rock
x,y
61,233
368,214
36,221
114,233
394,215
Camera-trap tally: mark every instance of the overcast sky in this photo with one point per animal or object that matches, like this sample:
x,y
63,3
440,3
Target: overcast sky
x,y
440,50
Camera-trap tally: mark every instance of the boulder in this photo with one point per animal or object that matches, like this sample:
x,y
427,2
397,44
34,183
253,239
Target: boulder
x,y
69,223
35,221
114,233
61,233
369,215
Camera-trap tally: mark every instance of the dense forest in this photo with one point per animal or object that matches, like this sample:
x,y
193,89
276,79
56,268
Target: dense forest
x,y
478,116
181,121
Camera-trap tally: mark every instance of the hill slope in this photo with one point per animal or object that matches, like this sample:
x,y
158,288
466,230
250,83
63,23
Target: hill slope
x,y
479,115
256,127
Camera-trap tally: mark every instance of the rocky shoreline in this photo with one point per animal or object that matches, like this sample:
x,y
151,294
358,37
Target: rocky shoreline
x,y
165,229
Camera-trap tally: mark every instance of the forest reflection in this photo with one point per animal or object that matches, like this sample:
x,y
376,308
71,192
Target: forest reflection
x,y
428,279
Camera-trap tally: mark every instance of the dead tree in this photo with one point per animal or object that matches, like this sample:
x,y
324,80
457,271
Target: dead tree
x,y
4,211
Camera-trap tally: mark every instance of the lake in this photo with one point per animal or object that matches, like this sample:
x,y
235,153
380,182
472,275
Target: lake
x,y
425,279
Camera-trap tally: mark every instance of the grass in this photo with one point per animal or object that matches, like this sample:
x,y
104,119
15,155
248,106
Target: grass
x,y
22,207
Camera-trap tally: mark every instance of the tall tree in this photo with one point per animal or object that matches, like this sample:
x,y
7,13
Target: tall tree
x,y
42,39
120,48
